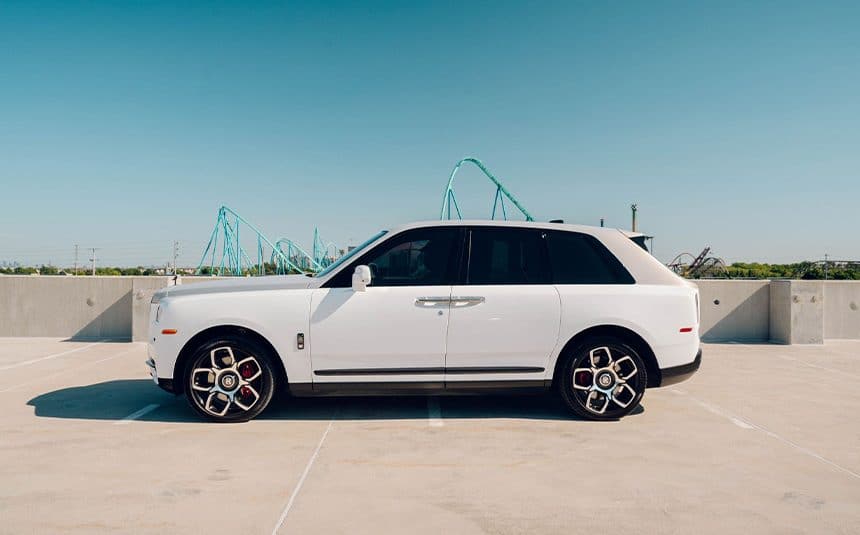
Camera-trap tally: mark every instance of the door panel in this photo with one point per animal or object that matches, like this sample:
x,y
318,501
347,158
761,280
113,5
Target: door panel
x,y
507,336
378,335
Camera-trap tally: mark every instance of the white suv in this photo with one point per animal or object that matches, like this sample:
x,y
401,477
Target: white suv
x,y
439,307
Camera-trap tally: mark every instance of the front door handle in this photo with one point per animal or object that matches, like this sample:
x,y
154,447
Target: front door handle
x,y
432,300
467,300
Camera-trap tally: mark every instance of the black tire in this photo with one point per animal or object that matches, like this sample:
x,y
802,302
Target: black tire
x,y
232,384
614,392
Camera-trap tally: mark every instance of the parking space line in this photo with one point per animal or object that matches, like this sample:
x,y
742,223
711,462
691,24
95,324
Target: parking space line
x,y
818,366
65,372
746,424
301,482
137,414
47,357
434,413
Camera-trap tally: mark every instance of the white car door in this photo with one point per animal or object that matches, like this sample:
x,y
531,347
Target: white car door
x,y
505,320
395,330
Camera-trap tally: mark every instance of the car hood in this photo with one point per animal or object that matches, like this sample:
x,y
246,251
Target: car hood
x,y
238,284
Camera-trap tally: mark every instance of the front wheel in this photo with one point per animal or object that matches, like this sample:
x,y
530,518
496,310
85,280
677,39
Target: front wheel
x,y
230,379
603,379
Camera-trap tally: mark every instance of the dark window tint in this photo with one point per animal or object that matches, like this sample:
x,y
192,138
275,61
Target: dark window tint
x,y
420,257
582,259
499,255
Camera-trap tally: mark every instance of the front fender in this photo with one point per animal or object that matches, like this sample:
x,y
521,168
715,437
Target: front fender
x,y
277,316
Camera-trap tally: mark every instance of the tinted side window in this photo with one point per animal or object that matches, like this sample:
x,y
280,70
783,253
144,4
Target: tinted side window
x,y
419,257
499,255
581,259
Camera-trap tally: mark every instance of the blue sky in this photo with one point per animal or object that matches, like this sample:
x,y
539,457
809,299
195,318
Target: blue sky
x,y
125,125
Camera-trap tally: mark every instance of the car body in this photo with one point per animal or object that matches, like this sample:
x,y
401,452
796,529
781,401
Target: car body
x,y
437,307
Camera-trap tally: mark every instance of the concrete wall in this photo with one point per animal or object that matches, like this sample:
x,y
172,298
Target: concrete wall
x,y
738,310
734,310
780,313
797,312
842,309
79,307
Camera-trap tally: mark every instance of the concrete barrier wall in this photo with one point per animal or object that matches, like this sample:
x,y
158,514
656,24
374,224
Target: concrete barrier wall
x,y
842,309
736,310
79,307
797,312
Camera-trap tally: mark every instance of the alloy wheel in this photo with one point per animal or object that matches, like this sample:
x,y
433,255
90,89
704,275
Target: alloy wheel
x,y
227,382
605,383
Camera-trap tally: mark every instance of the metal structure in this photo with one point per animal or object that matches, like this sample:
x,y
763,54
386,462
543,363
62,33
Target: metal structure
x,y
224,254
288,257
324,252
498,202
702,266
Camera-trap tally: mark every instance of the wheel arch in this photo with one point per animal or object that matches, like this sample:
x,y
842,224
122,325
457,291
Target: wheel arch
x,y
223,330
628,336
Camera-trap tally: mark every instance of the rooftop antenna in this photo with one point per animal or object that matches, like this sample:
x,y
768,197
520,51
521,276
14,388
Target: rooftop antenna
x,y
633,209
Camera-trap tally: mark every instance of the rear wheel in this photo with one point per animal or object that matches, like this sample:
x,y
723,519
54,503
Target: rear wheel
x,y
230,379
603,379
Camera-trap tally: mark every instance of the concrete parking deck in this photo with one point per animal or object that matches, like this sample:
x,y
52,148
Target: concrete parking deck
x,y
764,439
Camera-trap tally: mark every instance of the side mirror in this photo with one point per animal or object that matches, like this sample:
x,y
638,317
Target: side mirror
x,y
361,278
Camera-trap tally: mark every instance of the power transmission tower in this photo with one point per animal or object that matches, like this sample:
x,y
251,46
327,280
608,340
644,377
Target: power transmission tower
x,y
175,255
76,259
93,258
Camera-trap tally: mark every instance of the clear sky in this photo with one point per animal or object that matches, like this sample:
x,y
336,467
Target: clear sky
x,y
125,125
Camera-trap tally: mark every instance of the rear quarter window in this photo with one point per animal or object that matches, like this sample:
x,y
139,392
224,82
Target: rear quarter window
x,y
581,259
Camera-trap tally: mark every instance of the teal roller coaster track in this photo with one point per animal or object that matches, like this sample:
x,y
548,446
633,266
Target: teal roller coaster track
x,y
498,201
224,254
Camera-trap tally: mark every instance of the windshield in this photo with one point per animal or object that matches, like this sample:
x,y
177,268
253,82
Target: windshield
x,y
345,258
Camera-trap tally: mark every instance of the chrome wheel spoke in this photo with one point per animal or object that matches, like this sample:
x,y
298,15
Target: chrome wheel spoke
x,y
623,395
249,369
208,383
625,367
246,397
583,379
217,396
600,357
597,402
222,357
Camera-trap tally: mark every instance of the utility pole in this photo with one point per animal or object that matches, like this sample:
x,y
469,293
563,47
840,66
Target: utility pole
x,y
93,258
76,259
633,208
825,266
175,254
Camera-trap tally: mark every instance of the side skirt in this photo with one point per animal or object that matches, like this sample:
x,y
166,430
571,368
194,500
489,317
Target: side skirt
x,y
419,388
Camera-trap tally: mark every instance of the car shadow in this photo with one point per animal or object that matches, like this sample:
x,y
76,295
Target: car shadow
x,y
116,400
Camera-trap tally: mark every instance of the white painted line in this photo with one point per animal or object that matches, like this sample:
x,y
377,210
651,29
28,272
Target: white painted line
x,y
47,357
137,414
301,482
740,423
817,366
64,372
434,413
746,424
